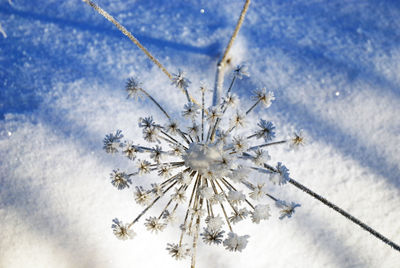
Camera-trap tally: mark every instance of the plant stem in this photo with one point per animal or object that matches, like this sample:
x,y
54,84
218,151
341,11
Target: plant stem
x,y
128,34
136,42
345,214
219,79
155,102
265,144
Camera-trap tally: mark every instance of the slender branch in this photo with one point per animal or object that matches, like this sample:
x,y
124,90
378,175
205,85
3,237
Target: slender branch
x,y
345,214
202,113
227,184
195,186
136,42
128,34
155,102
172,139
222,206
252,107
196,236
231,85
265,144
149,206
219,79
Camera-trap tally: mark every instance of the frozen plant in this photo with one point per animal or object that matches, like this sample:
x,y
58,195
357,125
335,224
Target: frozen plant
x,y
205,164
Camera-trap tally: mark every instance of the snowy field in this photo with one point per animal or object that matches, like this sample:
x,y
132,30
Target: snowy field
x,y
334,67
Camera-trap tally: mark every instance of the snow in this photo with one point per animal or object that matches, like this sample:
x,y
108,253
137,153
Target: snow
x,y
333,67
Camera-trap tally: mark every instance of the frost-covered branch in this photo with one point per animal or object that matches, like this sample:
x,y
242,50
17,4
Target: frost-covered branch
x,y
219,78
345,214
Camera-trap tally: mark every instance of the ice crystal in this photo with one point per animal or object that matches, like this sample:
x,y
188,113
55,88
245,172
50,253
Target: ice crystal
x,y
235,242
212,236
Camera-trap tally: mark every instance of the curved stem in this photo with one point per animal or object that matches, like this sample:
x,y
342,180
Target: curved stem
x,y
345,214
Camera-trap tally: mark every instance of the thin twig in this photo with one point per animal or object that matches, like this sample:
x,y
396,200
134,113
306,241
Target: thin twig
x,y
265,144
155,102
345,214
136,42
128,34
219,79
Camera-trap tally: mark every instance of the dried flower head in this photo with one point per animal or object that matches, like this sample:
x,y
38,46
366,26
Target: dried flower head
x,y
264,97
241,71
133,88
122,231
180,81
177,251
297,140
154,225
112,142
211,236
235,242
204,170
205,159
120,179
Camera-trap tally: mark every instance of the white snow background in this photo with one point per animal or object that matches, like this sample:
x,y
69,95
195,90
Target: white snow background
x,y
334,67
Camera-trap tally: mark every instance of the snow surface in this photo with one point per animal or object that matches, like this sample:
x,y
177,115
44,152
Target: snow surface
x,y
334,67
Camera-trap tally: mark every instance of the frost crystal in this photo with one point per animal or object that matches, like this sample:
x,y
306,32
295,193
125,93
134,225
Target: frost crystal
x,y
235,242
179,252
180,81
122,231
297,140
264,97
214,223
261,212
120,180
266,130
154,225
281,176
211,236
241,71
190,111
287,210
112,142
133,88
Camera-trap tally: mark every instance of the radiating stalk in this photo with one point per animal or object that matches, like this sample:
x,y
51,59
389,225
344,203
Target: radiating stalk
x,y
345,214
